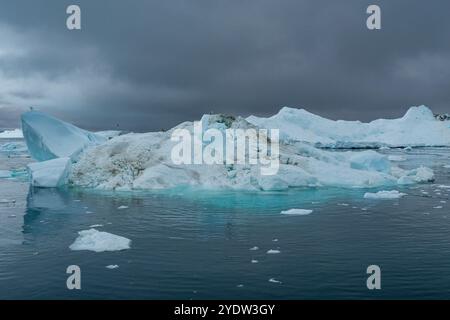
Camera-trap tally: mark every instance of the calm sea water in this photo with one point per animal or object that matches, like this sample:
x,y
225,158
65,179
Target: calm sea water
x,y
194,244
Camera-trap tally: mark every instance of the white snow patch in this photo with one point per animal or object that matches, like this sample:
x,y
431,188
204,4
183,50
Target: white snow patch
x,y
99,241
122,207
112,266
273,251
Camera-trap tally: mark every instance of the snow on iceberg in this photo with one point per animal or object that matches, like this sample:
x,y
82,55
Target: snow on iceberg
x,y
99,241
418,127
49,138
50,173
11,134
393,194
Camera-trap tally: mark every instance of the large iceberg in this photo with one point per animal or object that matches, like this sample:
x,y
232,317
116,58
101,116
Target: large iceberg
x,y
418,127
144,161
49,138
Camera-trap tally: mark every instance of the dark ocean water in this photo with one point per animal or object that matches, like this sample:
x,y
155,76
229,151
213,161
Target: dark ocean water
x,y
194,244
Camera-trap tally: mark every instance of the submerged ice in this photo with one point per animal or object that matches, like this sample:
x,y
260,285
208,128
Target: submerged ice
x,y
143,161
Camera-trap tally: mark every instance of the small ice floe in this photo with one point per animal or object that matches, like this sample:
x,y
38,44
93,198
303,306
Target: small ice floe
x,y
112,266
273,251
254,261
274,281
5,174
254,248
426,213
12,216
122,207
438,207
447,166
407,148
96,226
275,240
364,209
297,212
393,194
89,212
7,201
343,204
396,158
240,286
443,186
443,201
98,241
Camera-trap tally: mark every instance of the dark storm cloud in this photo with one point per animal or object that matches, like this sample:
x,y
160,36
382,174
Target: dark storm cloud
x,y
146,65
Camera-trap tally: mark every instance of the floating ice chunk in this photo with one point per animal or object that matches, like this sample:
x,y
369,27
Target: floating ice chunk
x,y
393,194
421,174
370,160
49,174
273,251
297,212
254,248
96,226
112,266
98,241
396,158
438,207
447,166
48,138
274,281
11,134
5,174
122,207
13,147
254,261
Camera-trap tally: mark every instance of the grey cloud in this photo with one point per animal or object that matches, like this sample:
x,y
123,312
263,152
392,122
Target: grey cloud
x,y
146,65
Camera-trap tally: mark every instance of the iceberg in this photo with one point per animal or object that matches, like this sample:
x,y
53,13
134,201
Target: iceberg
x,y
301,125
50,173
49,138
99,241
11,134
141,161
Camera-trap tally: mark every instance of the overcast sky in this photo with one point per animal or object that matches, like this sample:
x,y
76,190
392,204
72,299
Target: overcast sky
x,y
147,65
